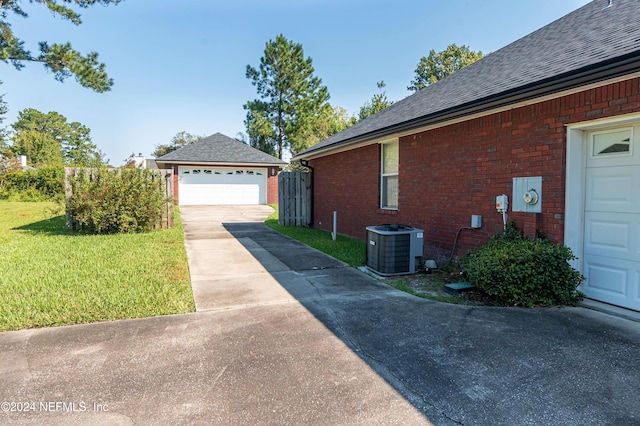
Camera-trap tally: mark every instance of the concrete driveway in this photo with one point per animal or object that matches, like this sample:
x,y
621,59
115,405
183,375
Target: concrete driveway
x,y
286,335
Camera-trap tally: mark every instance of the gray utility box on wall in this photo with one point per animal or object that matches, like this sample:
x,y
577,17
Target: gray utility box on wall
x,y
394,249
527,194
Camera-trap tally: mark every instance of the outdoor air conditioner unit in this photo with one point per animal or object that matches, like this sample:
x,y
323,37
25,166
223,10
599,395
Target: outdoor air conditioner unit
x,y
394,249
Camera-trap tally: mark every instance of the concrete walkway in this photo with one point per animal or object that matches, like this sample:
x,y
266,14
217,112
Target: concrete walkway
x,y
226,272
285,335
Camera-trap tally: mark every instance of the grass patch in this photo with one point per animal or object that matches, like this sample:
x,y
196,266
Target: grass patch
x,y
50,276
424,291
349,250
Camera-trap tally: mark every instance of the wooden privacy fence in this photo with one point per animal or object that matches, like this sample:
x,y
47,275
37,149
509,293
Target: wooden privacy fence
x,y
294,198
165,176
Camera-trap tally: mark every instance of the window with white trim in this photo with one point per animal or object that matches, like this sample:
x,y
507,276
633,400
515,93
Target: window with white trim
x,y
389,175
611,142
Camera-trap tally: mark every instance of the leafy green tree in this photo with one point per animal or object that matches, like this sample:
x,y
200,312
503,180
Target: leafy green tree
x,y
40,148
378,102
59,58
78,148
39,136
332,120
99,159
259,129
178,141
291,99
437,66
49,139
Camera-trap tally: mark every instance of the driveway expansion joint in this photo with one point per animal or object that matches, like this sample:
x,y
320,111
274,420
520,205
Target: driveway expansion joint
x,y
320,268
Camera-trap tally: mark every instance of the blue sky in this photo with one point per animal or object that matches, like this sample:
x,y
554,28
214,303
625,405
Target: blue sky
x,y
180,65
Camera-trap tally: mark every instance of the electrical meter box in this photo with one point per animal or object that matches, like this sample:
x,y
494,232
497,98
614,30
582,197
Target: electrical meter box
x,y
527,194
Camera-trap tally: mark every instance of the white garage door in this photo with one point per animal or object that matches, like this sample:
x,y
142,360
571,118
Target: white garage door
x,y
612,217
221,186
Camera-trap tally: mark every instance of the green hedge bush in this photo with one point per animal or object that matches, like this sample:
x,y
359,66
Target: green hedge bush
x,y
120,201
44,184
519,271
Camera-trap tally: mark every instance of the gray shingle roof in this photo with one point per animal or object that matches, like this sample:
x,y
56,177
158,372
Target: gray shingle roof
x,y
218,149
560,55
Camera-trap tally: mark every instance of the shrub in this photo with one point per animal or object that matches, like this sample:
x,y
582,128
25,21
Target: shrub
x,y
117,201
519,271
44,184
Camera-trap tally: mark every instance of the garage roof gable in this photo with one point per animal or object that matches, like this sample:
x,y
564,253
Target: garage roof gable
x,y
220,149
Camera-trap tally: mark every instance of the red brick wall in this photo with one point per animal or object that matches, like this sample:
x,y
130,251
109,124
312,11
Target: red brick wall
x,y
176,187
349,184
272,185
448,174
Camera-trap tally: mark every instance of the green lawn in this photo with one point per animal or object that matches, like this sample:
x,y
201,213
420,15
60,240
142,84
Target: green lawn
x,y
50,276
349,250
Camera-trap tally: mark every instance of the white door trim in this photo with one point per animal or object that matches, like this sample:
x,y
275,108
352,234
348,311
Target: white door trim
x,y
575,193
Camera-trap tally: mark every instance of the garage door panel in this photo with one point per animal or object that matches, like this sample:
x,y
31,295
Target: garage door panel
x,y
196,179
222,194
612,235
606,277
242,193
613,189
611,280
220,186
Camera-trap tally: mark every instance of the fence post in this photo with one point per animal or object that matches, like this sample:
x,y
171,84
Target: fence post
x,y
68,192
168,192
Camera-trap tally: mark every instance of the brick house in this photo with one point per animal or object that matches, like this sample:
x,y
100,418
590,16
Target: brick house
x,y
556,112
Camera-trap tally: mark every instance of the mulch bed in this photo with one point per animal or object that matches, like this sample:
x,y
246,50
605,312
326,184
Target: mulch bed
x,y
432,286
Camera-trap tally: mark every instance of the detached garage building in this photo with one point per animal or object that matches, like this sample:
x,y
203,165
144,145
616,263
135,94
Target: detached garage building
x,y
219,170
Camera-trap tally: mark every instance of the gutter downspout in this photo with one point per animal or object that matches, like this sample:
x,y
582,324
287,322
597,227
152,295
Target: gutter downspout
x,y
305,163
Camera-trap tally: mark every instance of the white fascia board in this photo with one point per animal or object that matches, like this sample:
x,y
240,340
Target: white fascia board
x,y
219,164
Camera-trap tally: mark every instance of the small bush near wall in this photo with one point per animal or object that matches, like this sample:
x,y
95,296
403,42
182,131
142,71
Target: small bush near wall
x,y
44,184
107,201
519,271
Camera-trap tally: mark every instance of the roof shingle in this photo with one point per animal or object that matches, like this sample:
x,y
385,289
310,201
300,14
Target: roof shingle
x,y
593,36
219,148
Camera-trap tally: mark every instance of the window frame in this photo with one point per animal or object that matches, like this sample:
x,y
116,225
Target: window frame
x,y
385,175
601,155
